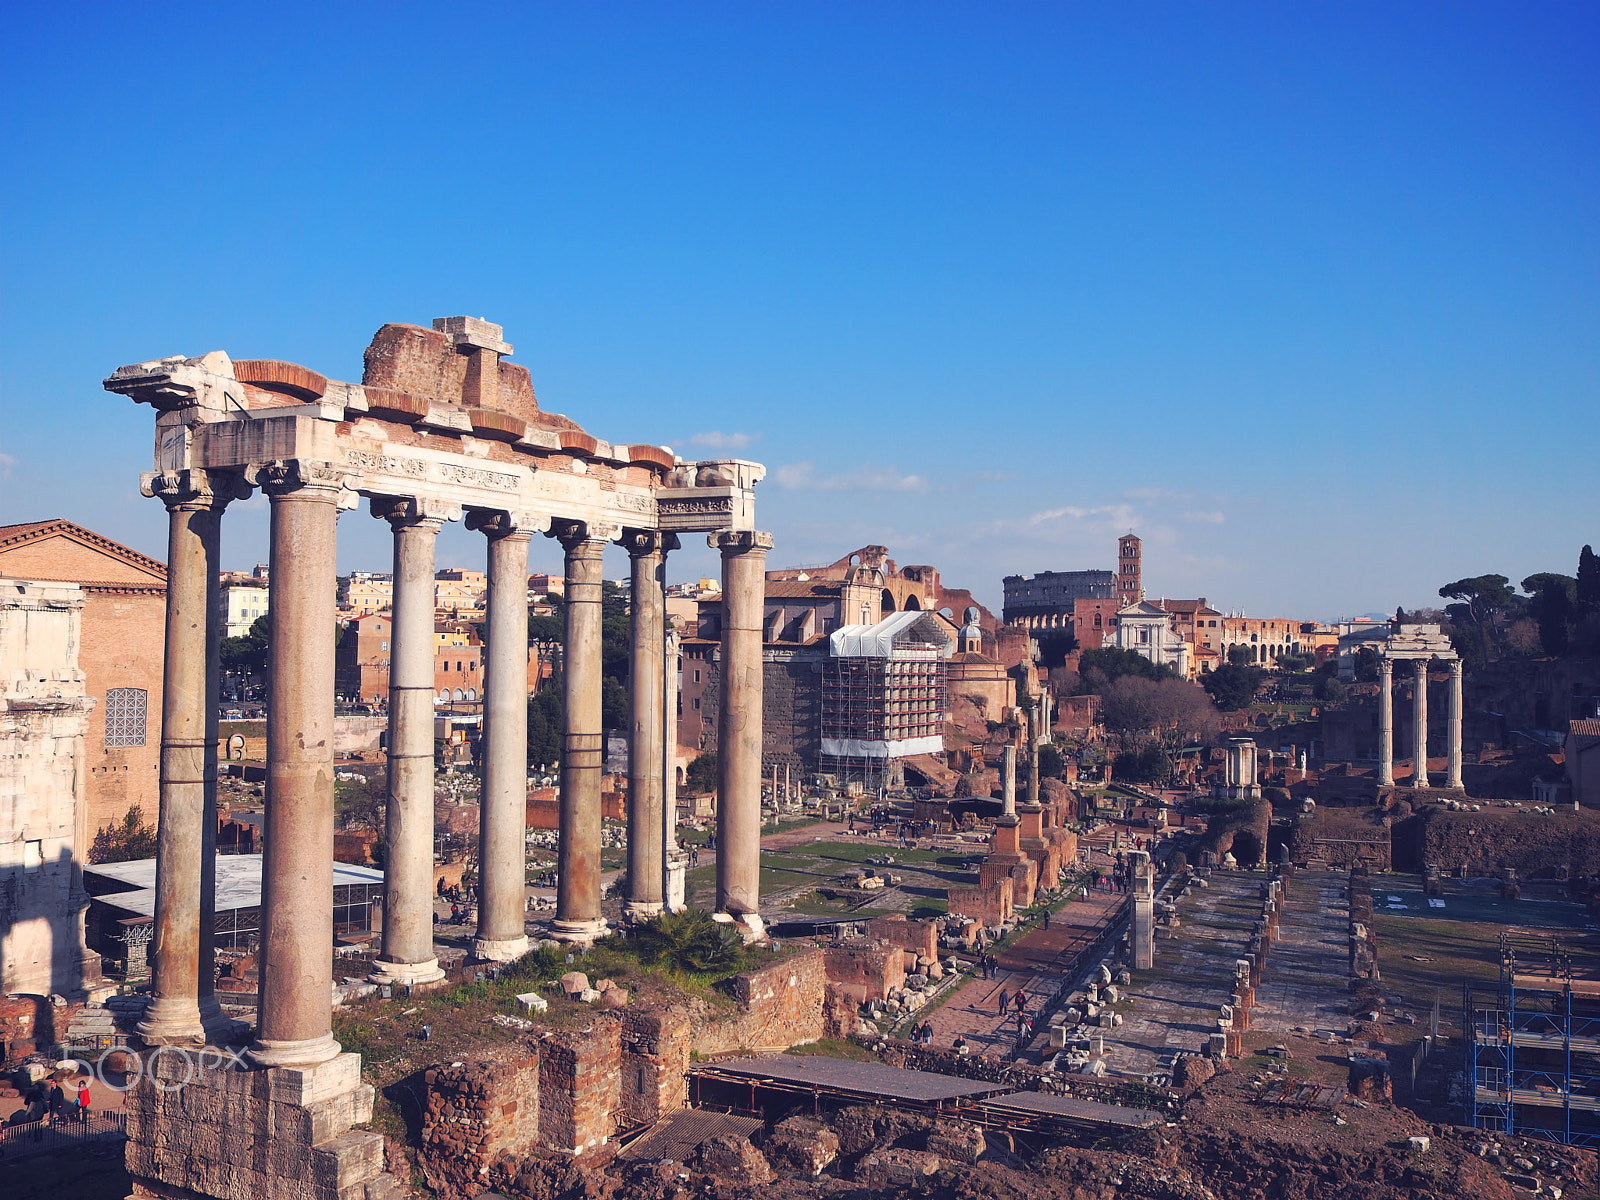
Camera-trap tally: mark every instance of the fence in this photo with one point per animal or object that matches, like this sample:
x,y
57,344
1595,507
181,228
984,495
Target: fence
x,y
43,1137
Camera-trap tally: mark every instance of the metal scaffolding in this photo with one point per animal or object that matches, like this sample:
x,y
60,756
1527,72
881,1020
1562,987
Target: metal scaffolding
x,y
1533,1057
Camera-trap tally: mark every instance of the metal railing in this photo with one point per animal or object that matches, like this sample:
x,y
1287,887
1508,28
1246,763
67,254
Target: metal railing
x,y
66,1133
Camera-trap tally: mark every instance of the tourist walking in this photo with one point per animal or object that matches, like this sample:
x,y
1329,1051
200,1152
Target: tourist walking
x,y
1005,998
83,1102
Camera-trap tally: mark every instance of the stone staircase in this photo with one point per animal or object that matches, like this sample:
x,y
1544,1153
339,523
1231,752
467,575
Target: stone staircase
x,y
105,1025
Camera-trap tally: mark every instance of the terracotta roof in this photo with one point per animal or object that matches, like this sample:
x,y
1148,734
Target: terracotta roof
x,y
1585,728
12,535
786,589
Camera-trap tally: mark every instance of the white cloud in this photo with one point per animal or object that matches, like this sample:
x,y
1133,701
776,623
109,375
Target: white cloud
x,y
6,463
717,440
1120,512
1208,518
862,479
1152,494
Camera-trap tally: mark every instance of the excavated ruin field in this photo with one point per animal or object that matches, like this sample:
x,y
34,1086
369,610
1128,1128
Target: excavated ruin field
x,y
1221,1145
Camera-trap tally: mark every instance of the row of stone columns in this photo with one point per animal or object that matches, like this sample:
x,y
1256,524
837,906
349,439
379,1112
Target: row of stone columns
x,y
1419,720
296,949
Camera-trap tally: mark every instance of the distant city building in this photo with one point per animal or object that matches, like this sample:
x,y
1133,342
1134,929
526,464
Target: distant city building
x,y
241,603
1083,603
1146,629
363,592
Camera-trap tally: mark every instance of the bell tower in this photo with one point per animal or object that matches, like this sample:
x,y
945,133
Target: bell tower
x,y
1130,585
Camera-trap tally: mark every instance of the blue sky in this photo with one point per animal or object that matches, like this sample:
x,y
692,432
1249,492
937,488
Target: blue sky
x,y
1304,294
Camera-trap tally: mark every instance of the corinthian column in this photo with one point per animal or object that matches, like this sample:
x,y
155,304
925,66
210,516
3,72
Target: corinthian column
x,y
503,814
1419,717
647,552
295,1026
1385,722
1453,728
407,955
744,557
582,740
186,826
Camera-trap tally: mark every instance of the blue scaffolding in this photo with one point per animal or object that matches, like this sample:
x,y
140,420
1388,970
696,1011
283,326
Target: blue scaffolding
x,y
1533,1057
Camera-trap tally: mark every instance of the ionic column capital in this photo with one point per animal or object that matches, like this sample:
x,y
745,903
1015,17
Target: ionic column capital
x,y
497,523
572,534
309,478
404,512
739,541
642,542
194,489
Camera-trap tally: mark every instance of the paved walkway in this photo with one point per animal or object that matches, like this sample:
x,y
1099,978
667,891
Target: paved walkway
x,y
1304,982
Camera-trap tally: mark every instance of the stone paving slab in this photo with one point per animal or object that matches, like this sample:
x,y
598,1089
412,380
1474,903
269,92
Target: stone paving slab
x,y
1304,980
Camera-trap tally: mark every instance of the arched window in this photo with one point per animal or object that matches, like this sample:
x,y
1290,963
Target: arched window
x,y
888,601
1097,620
913,604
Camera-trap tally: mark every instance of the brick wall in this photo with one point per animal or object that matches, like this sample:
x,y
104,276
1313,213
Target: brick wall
x,y
580,1086
866,969
921,938
481,1109
123,646
655,1055
779,1006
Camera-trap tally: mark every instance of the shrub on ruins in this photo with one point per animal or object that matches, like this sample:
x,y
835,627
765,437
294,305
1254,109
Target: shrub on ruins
x,y
1096,668
702,773
1233,687
1050,762
1148,764
690,941
124,842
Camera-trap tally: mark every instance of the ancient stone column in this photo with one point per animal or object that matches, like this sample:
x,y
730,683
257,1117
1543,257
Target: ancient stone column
x,y
407,955
296,957
1453,727
1143,910
1034,723
1419,717
582,740
1385,722
503,811
188,695
1008,782
673,866
744,556
646,696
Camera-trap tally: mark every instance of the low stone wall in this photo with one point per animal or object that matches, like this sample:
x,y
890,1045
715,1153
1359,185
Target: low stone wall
x,y
1537,845
198,1129
482,1107
779,1006
866,969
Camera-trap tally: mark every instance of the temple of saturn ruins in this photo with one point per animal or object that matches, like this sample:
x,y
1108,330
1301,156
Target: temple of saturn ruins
x,y
441,428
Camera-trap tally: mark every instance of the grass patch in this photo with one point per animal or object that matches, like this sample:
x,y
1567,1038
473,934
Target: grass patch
x,y
833,1048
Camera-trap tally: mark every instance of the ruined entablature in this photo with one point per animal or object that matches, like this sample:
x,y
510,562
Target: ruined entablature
x,y
439,417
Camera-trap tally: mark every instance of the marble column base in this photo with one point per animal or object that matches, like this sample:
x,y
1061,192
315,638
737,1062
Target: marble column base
x,y
499,949
578,933
637,911
172,1021
221,1029
398,974
750,925
309,1052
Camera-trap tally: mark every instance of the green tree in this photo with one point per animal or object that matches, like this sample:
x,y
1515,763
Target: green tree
x,y
1480,599
702,773
247,655
1096,668
1234,686
1240,656
125,842
1329,690
1588,582
1552,607
1050,762
545,708
1148,764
